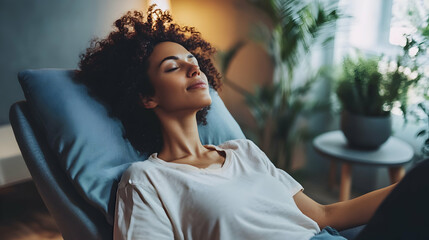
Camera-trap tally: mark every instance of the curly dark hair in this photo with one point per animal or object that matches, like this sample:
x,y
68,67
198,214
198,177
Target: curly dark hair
x,y
115,71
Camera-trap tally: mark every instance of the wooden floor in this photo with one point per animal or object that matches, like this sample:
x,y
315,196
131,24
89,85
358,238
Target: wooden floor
x,y
23,214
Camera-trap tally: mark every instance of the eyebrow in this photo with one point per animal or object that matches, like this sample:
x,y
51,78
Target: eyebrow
x,y
174,58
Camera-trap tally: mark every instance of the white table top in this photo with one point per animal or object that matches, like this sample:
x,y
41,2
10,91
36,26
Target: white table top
x,y
393,152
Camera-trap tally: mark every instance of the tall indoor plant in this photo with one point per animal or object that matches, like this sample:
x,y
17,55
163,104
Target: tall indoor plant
x,y
295,26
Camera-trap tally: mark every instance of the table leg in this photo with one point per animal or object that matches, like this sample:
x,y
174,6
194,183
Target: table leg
x,y
332,173
396,174
346,181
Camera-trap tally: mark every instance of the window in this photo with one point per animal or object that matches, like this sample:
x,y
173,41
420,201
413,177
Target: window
x,y
407,16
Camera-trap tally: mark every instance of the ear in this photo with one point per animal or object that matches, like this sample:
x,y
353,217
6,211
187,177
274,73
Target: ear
x,y
147,102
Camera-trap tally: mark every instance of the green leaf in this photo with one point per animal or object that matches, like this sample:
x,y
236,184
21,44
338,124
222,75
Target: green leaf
x,y
227,56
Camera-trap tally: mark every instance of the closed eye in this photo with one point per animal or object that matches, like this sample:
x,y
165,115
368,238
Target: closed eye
x,y
171,69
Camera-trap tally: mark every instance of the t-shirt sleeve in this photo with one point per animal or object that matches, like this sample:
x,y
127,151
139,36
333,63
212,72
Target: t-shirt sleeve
x,y
292,185
140,215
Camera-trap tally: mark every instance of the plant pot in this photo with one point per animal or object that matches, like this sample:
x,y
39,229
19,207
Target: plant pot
x,y
365,132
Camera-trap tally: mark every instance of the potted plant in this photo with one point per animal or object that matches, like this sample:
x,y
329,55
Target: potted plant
x,y
368,89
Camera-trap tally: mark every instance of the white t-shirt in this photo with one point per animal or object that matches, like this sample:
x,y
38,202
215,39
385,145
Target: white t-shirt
x,y
246,198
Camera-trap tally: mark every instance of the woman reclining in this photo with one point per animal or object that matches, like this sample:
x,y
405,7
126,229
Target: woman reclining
x,y
155,75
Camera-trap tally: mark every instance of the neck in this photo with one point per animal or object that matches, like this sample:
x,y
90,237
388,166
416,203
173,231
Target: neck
x,y
180,137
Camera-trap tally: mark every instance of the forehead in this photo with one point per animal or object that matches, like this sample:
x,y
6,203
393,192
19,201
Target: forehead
x,y
166,49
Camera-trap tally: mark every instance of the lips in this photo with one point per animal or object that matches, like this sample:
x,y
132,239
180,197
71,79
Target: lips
x,y
197,84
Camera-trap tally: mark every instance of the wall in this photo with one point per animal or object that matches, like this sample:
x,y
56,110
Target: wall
x,y
48,34
52,34
224,23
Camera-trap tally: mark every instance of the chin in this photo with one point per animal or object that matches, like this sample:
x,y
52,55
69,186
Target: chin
x,y
202,103
207,100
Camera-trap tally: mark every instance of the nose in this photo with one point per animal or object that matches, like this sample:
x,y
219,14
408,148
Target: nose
x,y
194,71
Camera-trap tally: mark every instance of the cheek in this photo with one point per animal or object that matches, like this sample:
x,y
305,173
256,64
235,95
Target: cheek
x,y
167,87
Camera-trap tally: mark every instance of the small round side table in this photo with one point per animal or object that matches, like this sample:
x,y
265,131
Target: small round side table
x,y
394,153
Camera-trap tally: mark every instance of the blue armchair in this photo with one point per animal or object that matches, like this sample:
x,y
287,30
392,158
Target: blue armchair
x,y
76,152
